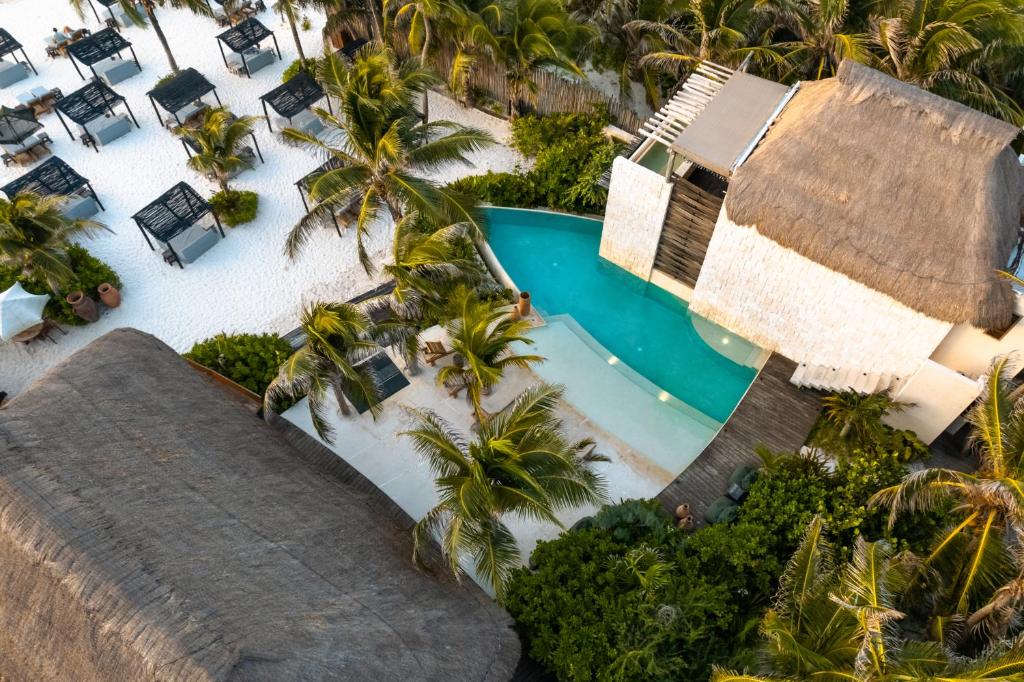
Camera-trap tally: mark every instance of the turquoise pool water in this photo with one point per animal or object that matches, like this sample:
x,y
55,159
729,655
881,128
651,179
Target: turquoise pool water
x,y
555,258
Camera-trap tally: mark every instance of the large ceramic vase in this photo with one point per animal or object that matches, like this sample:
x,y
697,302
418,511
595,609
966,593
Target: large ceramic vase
x,y
109,294
83,306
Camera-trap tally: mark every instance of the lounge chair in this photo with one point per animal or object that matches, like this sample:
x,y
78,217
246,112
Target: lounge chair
x,y
434,351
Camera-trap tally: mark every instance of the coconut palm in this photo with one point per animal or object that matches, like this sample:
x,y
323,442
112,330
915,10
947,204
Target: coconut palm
x,y
519,465
851,420
219,139
834,622
291,11
483,333
339,337
960,49
822,37
470,27
34,236
419,18
981,551
148,16
381,150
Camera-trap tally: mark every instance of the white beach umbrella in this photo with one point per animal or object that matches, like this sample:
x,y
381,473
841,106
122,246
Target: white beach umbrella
x,y
19,310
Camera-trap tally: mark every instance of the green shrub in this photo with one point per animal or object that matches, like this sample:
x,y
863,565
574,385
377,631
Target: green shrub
x,y
294,67
251,360
306,24
90,272
235,207
532,134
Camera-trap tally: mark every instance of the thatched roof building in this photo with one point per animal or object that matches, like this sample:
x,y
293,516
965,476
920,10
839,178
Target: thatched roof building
x,y
152,528
913,195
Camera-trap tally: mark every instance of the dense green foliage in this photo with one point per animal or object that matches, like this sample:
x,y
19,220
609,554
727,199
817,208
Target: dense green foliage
x,y
251,360
296,66
570,155
89,273
235,207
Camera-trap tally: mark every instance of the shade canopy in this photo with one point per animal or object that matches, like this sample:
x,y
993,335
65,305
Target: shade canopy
x,y
295,95
17,125
98,46
8,44
53,177
20,310
731,123
188,86
89,102
348,50
245,35
172,213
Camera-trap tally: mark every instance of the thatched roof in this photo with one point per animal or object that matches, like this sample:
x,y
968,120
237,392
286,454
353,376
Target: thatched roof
x,y
913,195
151,527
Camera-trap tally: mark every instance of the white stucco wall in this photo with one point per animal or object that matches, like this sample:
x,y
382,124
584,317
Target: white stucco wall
x,y
970,351
792,305
935,395
637,201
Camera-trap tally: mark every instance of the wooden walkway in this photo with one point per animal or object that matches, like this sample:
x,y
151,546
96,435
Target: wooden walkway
x,y
773,412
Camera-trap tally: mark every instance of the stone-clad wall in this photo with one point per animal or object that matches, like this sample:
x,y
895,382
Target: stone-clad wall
x,y
637,201
790,304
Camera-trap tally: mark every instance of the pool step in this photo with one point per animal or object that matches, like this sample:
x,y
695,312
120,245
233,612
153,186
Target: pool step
x,y
842,379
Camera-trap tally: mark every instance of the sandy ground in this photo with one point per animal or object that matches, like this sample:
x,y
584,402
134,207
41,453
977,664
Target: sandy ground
x,y
243,284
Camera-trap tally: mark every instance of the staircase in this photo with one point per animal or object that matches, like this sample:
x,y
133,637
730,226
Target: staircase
x,y
689,223
841,379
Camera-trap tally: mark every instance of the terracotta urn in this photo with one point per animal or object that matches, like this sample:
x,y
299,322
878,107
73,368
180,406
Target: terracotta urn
x,y
523,306
686,523
83,306
109,294
682,510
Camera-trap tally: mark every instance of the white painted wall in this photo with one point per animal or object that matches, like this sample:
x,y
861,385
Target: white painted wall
x,y
786,303
937,395
970,351
637,202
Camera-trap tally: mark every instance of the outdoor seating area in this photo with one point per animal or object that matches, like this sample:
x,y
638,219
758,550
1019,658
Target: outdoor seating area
x,y
183,222
58,41
92,108
250,153
244,41
39,99
227,14
54,177
114,17
20,138
303,185
13,71
101,53
181,97
21,317
292,101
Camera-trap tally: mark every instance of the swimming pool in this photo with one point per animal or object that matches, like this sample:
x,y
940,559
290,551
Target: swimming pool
x,y
555,257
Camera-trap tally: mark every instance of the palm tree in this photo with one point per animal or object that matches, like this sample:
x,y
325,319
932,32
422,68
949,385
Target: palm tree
x,y
339,337
960,49
420,17
534,34
851,420
822,38
291,10
34,236
471,29
483,333
379,146
834,622
219,140
981,550
148,15
519,465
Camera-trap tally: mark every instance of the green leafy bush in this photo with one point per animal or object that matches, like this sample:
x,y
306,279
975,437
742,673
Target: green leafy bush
x,y
294,67
235,207
90,272
251,360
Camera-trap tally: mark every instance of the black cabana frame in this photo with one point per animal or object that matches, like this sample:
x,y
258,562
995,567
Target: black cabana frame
x,y
173,212
52,177
295,95
348,50
172,95
303,184
8,45
97,47
109,5
88,103
241,37
17,125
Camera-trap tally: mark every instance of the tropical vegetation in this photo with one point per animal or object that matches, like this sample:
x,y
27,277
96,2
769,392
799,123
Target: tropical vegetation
x,y
250,360
218,141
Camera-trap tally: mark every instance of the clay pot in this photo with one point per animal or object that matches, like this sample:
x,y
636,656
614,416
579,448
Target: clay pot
x,y
686,523
83,306
109,294
682,510
523,306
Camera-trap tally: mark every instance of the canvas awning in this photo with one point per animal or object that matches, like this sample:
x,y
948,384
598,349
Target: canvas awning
x,y
97,47
731,123
20,310
52,177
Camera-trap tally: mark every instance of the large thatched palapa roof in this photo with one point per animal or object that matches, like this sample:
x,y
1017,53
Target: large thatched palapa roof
x,y
913,195
151,527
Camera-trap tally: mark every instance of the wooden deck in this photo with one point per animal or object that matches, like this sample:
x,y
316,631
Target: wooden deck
x,y
773,412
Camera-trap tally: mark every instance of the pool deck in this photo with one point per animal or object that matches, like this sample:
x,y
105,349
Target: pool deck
x,y
773,412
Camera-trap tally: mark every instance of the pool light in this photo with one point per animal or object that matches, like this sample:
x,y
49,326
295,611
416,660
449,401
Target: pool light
x,y
664,396
725,339
612,360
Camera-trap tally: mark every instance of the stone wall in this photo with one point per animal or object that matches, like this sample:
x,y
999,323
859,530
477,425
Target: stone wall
x,y
637,201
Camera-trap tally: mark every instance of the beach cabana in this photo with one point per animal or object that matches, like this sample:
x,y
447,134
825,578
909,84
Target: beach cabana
x,y
180,220
18,128
54,177
306,182
101,52
292,101
181,97
349,49
244,40
12,72
92,108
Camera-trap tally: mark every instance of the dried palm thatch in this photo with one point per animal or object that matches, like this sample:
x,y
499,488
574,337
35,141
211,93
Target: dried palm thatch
x,y
913,195
151,527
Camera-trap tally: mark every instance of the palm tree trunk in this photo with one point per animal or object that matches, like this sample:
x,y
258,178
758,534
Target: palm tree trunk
x,y
378,27
339,396
423,61
151,15
295,35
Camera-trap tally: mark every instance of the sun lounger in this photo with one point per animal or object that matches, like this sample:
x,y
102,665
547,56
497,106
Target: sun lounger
x,y
434,351
12,72
255,59
116,70
107,129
